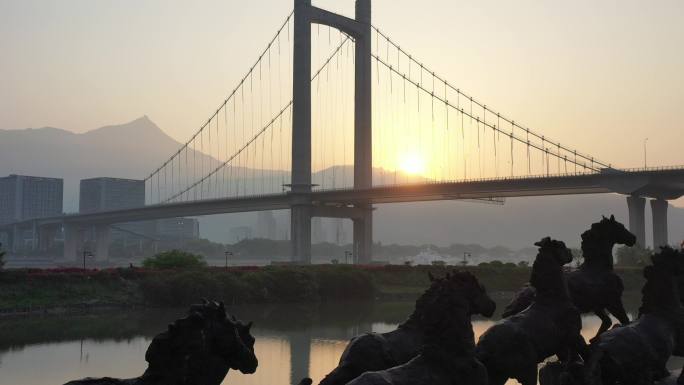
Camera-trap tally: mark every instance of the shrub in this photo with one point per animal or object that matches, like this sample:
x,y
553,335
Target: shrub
x,y
633,256
174,259
179,289
342,283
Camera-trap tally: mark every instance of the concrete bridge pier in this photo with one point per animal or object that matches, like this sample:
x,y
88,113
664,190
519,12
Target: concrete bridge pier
x,y
360,30
300,230
659,211
102,238
363,235
15,239
637,218
46,237
73,242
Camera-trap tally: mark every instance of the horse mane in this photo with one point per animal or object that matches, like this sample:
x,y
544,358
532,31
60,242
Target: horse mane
x,y
444,314
597,250
439,287
171,348
660,293
547,272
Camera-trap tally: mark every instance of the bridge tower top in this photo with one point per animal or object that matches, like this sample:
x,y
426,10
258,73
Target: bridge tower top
x,y
359,29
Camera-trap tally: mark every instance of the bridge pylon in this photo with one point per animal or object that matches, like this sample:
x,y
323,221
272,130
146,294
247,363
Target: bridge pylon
x,y
302,208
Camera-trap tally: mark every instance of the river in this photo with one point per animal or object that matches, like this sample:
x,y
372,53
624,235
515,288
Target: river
x,y
292,341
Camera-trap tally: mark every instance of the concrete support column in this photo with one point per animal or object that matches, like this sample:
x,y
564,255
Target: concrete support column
x,y
637,218
300,230
659,210
363,132
363,237
16,239
300,215
102,238
34,236
73,242
46,237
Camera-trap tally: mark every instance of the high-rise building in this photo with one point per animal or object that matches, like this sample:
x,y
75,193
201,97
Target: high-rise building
x,y
26,197
102,194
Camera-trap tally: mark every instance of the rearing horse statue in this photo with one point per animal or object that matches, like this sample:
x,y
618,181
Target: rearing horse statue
x,y
636,354
594,287
442,304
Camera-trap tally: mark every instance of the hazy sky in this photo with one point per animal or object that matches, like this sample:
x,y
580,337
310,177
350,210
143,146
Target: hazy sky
x,y
598,75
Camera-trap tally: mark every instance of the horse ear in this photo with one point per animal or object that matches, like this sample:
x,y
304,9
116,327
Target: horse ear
x,y
249,325
431,277
543,242
612,218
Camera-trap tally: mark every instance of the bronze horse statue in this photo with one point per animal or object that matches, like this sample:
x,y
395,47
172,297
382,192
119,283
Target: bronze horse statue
x,y
551,325
636,354
448,356
455,293
594,287
196,350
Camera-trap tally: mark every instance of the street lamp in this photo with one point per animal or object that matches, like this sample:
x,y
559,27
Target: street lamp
x,y
645,140
86,254
466,255
227,254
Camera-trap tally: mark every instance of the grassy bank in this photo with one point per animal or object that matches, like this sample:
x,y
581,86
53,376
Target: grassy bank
x,y
36,289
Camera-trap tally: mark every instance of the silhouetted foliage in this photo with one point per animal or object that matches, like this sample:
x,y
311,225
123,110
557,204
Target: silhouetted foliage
x,y
174,259
633,256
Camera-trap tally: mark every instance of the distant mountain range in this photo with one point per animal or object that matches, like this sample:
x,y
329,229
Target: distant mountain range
x,y
130,150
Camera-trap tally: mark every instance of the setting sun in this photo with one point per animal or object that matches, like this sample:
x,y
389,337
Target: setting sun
x,y
412,163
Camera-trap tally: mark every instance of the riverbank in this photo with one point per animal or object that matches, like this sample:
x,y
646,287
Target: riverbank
x,y
30,291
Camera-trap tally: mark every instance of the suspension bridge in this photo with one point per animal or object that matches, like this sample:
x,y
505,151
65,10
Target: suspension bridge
x,y
335,117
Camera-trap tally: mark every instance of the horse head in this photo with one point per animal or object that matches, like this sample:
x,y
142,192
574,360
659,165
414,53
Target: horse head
x,y
609,231
661,290
202,347
555,250
598,242
475,293
231,339
547,269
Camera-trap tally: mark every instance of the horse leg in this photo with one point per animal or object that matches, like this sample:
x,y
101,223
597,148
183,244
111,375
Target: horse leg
x,y
528,375
605,323
496,378
618,310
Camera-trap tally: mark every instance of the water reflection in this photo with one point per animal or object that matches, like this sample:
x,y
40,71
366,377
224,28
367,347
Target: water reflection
x,y
292,341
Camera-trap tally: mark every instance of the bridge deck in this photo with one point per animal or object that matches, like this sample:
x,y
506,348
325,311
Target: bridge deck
x,y
658,183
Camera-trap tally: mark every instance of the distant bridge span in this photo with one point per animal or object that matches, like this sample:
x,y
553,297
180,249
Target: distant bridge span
x,y
660,185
